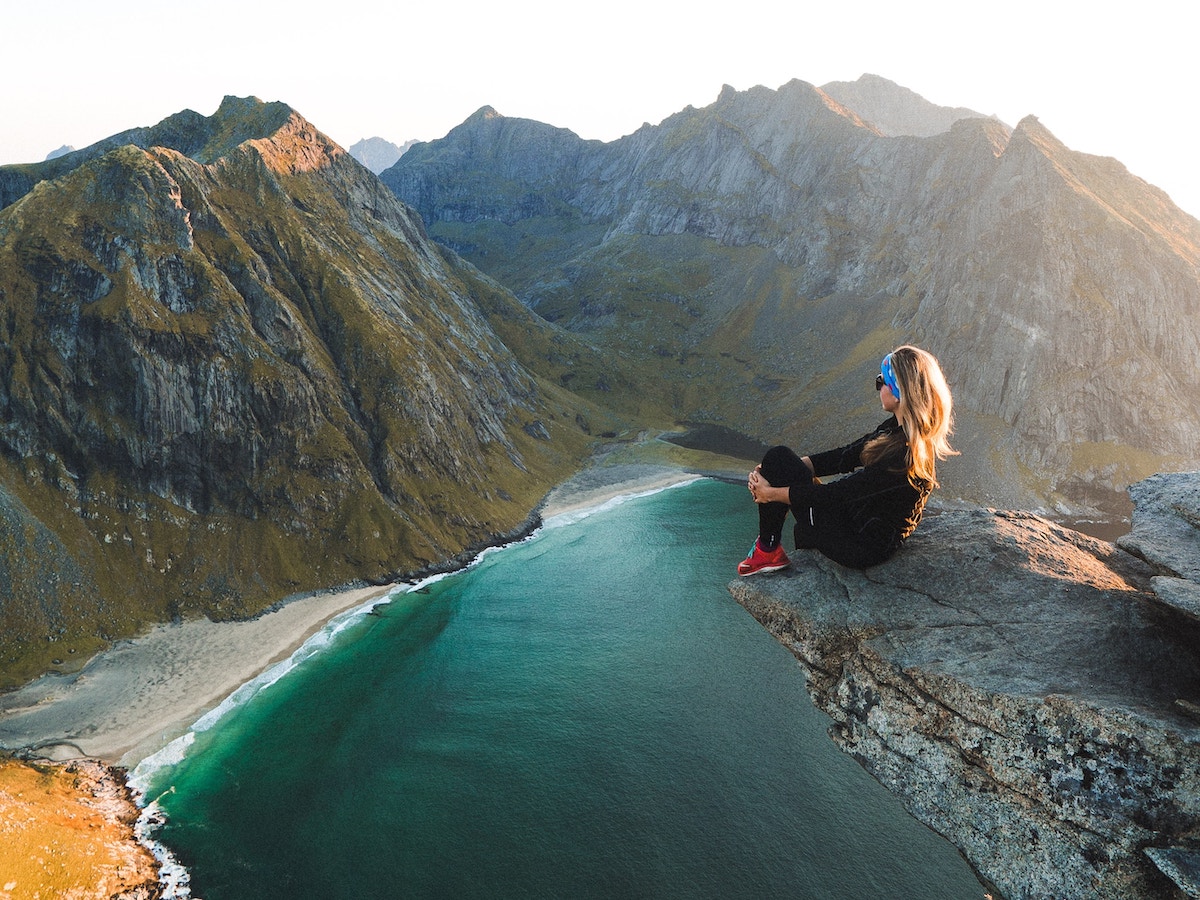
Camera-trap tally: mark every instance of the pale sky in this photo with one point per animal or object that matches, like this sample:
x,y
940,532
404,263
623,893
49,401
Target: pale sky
x,y
1114,80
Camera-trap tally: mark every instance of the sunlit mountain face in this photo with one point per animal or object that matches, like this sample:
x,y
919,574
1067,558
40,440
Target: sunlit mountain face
x,y
754,259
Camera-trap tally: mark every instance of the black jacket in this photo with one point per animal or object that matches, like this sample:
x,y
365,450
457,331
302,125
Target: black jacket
x,y
861,519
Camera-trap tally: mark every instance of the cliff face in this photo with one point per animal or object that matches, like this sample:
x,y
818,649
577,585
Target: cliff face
x,y
232,366
751,261
1027,691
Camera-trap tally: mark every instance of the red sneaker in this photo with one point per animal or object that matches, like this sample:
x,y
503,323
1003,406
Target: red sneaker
x,y
762,561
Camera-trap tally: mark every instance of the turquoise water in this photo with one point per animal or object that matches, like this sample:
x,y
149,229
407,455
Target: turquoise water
x,y
585,714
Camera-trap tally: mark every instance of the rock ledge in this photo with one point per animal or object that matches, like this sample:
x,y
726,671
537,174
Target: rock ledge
x,y
1026,690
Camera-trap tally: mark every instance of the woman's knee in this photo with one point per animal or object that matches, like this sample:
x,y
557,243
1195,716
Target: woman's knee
x,y
782,466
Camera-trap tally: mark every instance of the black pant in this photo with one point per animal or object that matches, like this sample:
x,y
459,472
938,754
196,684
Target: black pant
x,y
782,468
823,522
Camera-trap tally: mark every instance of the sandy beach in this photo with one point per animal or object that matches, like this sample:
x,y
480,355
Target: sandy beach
x,y
135,698
597,485
141,694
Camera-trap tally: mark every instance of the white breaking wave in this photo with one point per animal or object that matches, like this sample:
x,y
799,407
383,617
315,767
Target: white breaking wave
x,y
173,875
142,777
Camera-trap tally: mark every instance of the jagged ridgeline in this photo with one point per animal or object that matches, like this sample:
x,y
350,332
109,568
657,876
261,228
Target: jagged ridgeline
x,y
232,366
752,261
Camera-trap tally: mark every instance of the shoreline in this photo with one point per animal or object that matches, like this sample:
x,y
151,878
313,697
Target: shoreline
x,y
136,697
133,699
132,702
597,486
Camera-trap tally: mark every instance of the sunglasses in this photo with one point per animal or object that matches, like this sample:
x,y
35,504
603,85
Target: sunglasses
x,y
879,382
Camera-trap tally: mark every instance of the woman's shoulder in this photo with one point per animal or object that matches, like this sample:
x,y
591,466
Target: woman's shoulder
x,y
884,429
890,425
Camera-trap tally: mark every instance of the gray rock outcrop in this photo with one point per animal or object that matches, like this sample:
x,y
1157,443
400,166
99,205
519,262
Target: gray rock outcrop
x,y
1027,691
896,110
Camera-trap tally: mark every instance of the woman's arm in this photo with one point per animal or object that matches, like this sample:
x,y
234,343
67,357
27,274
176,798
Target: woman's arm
x,y
848,458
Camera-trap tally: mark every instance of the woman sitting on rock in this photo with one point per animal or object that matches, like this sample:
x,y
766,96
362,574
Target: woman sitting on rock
x,y
859,520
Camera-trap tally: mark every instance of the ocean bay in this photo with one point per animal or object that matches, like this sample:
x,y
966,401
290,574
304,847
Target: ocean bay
x,y
587,713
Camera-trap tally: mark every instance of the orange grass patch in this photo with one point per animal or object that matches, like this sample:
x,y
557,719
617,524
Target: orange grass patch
x,y
66,832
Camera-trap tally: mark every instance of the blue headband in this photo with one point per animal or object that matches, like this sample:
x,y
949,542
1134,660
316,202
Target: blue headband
x,y
889,377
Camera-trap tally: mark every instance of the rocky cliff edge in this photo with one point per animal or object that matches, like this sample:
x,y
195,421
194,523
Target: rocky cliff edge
x,y
1031,693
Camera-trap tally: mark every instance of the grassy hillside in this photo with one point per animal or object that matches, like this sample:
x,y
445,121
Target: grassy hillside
x,y
229,378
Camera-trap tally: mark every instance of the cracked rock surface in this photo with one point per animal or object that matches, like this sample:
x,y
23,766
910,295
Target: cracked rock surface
x,y
1022,689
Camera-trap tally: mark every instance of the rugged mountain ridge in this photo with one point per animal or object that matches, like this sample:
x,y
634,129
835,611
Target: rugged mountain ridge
x,y
232,366
204,138
754,258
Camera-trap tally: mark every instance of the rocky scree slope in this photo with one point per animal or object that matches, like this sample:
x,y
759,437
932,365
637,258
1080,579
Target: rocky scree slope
x,y
751,261
1031,693
233,367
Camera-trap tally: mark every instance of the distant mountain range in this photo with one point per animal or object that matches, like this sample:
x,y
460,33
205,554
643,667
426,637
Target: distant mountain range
x,y
234,365
378,154
754,259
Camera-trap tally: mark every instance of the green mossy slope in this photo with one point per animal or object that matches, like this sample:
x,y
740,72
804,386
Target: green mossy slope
x,y
228,378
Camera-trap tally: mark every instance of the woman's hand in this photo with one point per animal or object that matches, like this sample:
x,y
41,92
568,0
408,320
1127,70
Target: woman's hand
x,y
762,491
753,480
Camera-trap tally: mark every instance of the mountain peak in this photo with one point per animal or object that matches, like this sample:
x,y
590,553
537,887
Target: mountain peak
x,y
1107,182
295,146
483,114
241,119
1031,123
377,153
232,105
237,121
896,110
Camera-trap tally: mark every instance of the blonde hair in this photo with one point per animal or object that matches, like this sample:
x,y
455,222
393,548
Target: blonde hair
x,y
926,410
